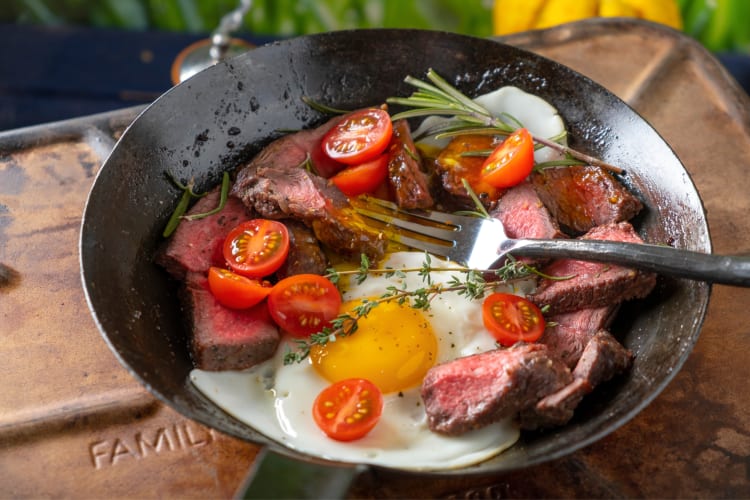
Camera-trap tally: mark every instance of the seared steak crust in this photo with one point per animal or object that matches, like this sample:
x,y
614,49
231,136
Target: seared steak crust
x,y
603,358
593,284
582,197
305,255
471,392
408,183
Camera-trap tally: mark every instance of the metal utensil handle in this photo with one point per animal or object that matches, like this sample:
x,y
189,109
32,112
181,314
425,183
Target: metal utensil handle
x,y
711,268
274,475
222,36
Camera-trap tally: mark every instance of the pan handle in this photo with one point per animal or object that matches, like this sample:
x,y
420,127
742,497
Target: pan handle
x,y
274,475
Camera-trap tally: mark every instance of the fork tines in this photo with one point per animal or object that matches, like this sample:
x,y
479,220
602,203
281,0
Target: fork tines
x,y
434,232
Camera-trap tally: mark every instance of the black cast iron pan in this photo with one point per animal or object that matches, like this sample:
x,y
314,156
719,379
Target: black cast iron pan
x,y
225,114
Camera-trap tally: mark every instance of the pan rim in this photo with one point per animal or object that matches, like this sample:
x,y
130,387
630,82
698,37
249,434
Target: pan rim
x,y
705,290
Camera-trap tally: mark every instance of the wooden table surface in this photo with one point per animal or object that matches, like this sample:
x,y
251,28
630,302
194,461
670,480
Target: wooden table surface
x,y
74,423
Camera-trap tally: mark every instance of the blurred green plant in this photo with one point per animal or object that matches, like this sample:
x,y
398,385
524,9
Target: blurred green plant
x,y
266,17
721,25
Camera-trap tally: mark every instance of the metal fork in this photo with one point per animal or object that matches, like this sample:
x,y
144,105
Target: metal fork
x,y
480,243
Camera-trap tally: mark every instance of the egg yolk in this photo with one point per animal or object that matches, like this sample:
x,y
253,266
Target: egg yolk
x,y
393,347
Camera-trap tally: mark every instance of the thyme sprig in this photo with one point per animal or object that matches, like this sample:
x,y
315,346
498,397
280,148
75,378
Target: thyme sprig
x,y
470,283
441,98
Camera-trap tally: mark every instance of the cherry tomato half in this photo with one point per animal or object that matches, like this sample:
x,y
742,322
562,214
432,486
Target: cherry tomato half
x,y
348,409
361,136
235,291
304,304
256,248
511,161
364,178
511,318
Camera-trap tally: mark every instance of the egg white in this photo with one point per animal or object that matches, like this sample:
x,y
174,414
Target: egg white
x,y
537,115
277,400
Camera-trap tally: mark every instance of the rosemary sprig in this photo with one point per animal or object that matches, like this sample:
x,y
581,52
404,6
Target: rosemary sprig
x,y
222,201
441,98
187,195
328,110
563,162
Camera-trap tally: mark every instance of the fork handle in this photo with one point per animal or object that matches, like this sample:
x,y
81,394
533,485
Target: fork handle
x,y
711,268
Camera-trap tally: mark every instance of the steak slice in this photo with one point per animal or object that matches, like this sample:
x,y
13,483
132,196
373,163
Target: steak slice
x,y
593,284
524,215
223,338
568,333
305,255
603,358
276,185
582,197
197,245
407,182
555,409
474,391
344,231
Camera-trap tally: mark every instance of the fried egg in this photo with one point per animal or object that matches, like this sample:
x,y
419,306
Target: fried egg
x,y
393,347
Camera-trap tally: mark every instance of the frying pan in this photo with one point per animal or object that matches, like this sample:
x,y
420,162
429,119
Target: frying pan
x,y
227,113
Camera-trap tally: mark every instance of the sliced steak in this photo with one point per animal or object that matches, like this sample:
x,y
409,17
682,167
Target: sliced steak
x,y
555,409
456,162
568,333
603,358
582,197
593,284
274,182
196,245
471,392
524,215
408,183
305,255
223,338
346,233
276,185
